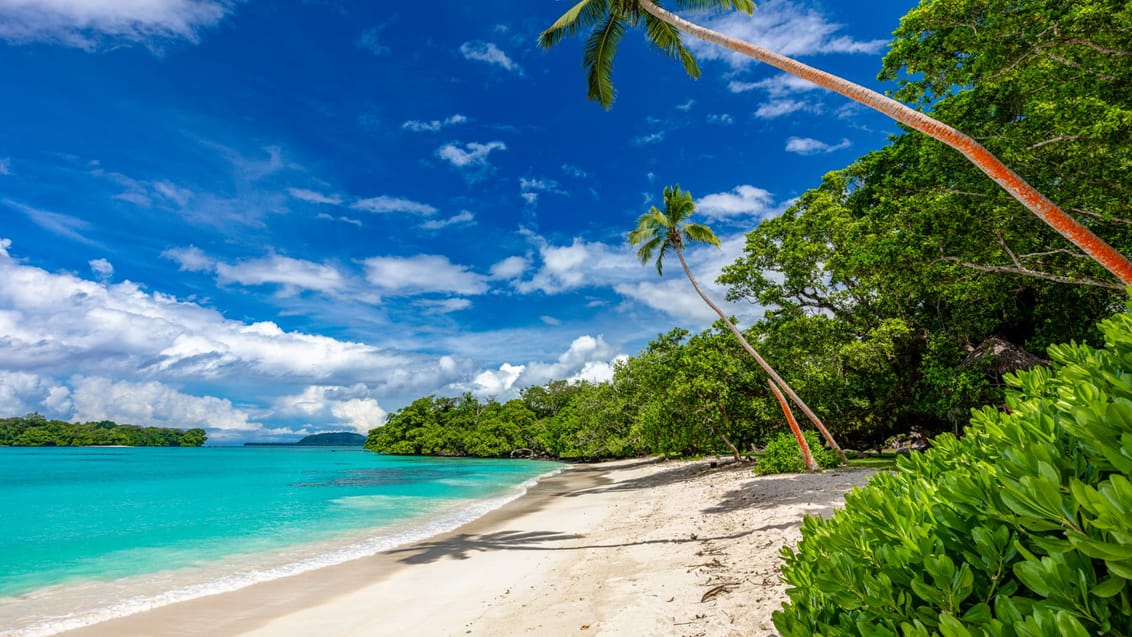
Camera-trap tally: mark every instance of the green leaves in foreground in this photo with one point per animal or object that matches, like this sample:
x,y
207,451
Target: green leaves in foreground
x,y
1022,528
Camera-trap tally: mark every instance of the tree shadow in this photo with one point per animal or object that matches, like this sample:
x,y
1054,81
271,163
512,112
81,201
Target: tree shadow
x,y
682,472
461,546
815,491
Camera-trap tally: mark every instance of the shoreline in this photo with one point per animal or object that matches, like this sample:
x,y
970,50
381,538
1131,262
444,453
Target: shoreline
x,y
624,547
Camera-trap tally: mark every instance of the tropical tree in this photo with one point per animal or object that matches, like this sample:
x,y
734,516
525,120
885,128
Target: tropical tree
x,y
607,21
659,232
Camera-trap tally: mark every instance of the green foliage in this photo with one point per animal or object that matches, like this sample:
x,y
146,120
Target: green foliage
x,y
34,430
782,455
1022,528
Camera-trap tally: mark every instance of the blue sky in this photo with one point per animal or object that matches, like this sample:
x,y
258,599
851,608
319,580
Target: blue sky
x,y
275,218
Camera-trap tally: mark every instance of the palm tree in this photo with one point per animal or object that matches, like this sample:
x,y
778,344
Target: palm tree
x,y
608,20
659,232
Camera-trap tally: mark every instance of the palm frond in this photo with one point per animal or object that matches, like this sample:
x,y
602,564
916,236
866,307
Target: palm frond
x,y
664,248
694,232
598,59
650,248
580,17
666,37
678,204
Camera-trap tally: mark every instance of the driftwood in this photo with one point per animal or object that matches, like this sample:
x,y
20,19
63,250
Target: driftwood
x,y
716,590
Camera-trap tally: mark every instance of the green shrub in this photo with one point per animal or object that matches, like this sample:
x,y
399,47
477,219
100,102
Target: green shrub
x,y
782,454
1022,528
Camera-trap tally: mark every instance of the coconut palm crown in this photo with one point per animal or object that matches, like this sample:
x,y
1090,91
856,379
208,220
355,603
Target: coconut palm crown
x,y
607,20
658,232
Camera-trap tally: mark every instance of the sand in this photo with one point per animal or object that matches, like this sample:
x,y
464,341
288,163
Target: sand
x,y
620,548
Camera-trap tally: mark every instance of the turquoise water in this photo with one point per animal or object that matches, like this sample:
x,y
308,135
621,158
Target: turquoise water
x,y
91,533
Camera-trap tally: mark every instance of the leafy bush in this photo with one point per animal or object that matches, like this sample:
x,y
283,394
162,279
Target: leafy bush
x,y
1022,528
782,455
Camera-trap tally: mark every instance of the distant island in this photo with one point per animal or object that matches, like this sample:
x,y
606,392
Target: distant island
x,y
34,430
335,439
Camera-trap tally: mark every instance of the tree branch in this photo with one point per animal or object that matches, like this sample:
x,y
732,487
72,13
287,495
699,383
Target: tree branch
x,y
1056,278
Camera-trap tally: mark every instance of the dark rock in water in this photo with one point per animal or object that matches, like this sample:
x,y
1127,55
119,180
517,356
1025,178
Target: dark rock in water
x,y
336,439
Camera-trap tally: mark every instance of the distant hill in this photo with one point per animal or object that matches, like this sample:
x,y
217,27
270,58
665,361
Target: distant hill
x,y
335,439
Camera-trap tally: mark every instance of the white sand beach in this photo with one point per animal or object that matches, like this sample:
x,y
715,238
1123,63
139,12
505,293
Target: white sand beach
x,y
635,547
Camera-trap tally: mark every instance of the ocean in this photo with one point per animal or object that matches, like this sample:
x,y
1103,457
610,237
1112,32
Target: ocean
x,y
88,534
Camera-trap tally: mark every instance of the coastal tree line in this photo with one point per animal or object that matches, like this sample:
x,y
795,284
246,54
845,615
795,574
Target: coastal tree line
x,y
34,430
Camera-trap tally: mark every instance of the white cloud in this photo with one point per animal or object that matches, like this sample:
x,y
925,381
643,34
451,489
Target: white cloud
x,y
5,165
63,225
530,189
152,403
778,108
723,119
422,274
435,125
810,146
190,259
444,306
292,274
349,220
651,138
62,322
780,85
686,106
510,268
310,196
88,23
588,358
382,204
743,201
783,26
574,171
550,320
473,154
461,218
102,269
490,54
333,407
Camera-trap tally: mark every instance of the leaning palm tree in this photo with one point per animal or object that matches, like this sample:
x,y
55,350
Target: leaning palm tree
x,y
608,20
657,233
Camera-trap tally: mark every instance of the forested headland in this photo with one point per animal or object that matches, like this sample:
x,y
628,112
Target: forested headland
x,y
34,430
899,289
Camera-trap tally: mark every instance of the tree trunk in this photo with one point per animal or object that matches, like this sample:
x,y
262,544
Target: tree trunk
x,y
807,457
1010,181
763,364
723,436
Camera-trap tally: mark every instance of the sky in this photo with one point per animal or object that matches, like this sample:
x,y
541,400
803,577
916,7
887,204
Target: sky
x,y
275,218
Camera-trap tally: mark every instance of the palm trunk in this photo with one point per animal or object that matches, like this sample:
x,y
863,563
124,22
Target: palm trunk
x,y
1010,181
807,456
762,363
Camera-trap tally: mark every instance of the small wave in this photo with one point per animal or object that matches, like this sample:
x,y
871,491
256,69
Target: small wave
x,y
442,522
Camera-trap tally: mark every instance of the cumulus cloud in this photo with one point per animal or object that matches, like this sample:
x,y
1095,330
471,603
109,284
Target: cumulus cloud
x,y
382,204
488,53
87,24
651,138
421,274
60,323
784,26
152,403
333,407
102,269
435,125
471,155
742,201
510,268
587,358
810,146
292,274
190,259
530,189
310,196
721,119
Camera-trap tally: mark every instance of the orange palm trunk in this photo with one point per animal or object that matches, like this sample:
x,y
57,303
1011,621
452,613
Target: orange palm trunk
x,y
807,456
1010,181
